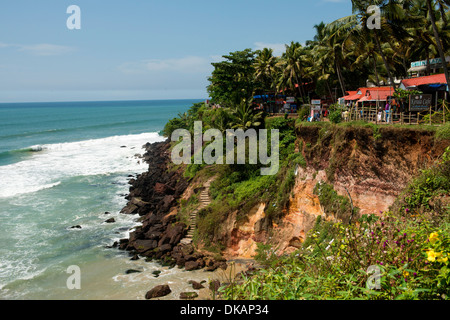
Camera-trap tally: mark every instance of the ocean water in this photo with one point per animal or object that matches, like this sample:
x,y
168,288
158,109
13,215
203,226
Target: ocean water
x,y
66,164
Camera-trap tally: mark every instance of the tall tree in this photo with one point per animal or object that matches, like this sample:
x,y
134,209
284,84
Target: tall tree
x,y
265,70
293,65
443,4
232,80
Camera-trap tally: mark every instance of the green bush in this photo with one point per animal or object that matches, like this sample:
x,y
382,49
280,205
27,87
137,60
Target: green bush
x,y
333,204
443,132
335,116
304,112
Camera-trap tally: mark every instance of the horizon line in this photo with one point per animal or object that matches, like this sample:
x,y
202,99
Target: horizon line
x,y
119,100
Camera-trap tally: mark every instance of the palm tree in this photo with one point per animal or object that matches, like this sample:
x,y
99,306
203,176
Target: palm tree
x,y
360,18
265,69
336,36
245,117
292,66
431,5
321,69
420,43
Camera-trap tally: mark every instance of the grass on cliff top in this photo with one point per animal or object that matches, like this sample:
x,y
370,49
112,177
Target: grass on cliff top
x,y
239,188
443,132
365,124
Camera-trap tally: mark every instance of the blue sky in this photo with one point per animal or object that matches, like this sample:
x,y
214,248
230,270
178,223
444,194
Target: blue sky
x,y
140,49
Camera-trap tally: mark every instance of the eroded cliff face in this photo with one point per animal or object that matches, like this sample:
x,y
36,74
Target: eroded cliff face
x,y
373,170
245,234
374,167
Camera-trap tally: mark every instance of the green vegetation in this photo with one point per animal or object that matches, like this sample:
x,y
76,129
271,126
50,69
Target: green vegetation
x,y
333,204
335,116
443,132
344,54
241,187
409,246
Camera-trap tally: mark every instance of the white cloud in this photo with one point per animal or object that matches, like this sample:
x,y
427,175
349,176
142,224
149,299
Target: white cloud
x,y
42,49
45,49
278,48
187,65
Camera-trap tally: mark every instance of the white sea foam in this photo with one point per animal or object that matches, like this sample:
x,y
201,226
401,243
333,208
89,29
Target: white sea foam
x,y
56,162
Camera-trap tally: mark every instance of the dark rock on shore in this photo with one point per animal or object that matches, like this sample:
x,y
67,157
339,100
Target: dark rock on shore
x,y
214,285
129,271
188,295
130,209
158,291
196,285
153,196
156,273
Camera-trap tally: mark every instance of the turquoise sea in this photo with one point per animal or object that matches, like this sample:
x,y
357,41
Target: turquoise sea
x,y
66,164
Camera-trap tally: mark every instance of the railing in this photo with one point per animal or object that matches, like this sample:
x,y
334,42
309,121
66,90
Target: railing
x,y
289,115
372,114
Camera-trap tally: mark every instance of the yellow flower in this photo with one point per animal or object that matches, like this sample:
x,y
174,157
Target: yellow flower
x,y
434,237
405,274
443,260
440,258
431,255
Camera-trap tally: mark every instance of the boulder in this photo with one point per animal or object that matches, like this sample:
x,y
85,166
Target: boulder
x,y
163,188
187,249
188,295
142,246
123,244
214,285
156,273
196,285
129,271
130,209
180,261
158,291
167,202
192,265
165,248
138,202
110,220
153,235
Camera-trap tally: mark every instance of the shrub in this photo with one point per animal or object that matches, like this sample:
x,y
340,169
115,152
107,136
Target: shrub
x,y
303,112
443,132
333,204
335,116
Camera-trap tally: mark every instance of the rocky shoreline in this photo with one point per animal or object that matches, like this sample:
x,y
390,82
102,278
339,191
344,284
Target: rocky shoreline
x,y
153,196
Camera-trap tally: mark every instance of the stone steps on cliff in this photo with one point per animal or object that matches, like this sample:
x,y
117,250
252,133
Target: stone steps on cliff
x,y
205,200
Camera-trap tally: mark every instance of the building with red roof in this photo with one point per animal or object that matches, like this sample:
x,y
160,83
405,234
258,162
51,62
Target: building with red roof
x,y
434,81
369,94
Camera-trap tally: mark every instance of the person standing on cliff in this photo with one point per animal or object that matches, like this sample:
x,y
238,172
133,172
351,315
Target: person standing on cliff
x,y
386,110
